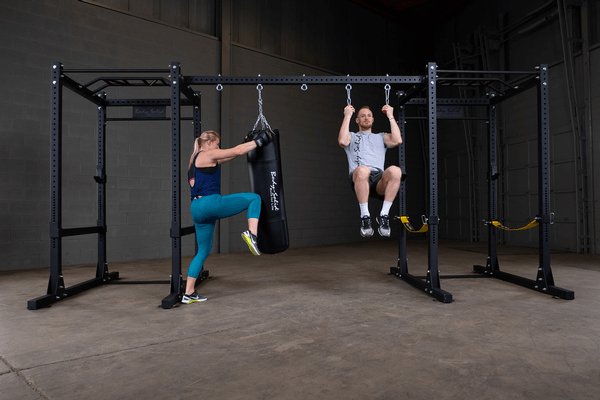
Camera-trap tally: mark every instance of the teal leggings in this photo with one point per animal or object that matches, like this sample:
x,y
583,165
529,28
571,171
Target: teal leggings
x,y
205,213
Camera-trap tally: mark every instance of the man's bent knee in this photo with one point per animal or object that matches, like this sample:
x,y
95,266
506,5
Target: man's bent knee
x,y
361,173
394,172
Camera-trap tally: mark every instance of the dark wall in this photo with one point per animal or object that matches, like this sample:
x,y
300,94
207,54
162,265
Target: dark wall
x,y
280,38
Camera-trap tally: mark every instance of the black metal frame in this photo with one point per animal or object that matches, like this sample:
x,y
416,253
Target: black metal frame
x,y
430,284
179,84
183,84
498,90
544,281
93,91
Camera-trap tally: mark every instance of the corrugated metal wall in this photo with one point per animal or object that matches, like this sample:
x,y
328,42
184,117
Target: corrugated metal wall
x,y
521,36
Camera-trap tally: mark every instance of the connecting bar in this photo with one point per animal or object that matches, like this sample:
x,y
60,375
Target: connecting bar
x,y
128,80
82,91
408,95
144,102
521,87
117,71
449,118
422,284
482,101
551,290
117,119
188,230
485,72
177,233
475,79
298,80
81,231
49,299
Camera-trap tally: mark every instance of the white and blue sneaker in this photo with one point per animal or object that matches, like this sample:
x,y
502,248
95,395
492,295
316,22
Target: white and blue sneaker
x,y
193,298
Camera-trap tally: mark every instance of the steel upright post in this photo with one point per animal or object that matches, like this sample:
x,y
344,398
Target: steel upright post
x,y
402,254
56,285
197,120
492,189
197,112
176,278
492,265
431,283
100,177
433,276
544,276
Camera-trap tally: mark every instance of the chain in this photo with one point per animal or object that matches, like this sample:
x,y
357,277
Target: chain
x,y
387,88
261,118
348,90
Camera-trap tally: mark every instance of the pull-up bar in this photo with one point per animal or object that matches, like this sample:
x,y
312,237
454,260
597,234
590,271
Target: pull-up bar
x,y
299,80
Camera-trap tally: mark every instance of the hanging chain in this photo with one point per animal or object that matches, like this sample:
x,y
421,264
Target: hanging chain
x,y
387,88
348,90
259,88
261,118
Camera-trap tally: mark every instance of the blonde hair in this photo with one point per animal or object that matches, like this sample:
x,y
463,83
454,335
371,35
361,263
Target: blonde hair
x,y
206,136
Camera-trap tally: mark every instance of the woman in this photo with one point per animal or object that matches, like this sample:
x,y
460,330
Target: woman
x,y
208,205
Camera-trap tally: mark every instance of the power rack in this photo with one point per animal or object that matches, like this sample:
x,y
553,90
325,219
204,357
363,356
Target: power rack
x,y
182,94
498,88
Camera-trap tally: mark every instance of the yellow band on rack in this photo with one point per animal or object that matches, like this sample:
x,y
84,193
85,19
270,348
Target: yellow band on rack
x,y
532,224
410,228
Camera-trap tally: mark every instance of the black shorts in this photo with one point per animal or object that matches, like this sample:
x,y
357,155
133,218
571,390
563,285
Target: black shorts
x,y
374,178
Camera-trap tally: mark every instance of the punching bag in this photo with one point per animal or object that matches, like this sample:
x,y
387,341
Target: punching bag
x,y
266,180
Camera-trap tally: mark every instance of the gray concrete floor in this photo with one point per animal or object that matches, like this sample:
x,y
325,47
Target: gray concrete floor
x,y
315,323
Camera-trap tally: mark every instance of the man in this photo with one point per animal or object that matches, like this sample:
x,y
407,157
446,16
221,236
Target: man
x,y
366,157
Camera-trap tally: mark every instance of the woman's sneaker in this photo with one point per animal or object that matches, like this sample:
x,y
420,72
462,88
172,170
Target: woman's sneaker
x,y
250,240
193,298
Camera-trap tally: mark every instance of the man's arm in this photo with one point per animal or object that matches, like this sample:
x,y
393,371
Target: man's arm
x,y
394,138
344,134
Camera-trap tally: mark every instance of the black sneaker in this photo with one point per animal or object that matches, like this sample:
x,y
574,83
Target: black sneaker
x,y
250,240
365,226
384,225
193,298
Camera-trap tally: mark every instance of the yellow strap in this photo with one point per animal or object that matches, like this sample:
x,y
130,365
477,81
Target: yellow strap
x,y
532,224
410,228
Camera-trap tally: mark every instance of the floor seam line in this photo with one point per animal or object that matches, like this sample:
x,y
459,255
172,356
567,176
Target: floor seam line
x,y
22,377
115,351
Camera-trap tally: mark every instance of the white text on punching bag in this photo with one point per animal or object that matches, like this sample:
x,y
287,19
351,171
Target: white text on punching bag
x,y
273,192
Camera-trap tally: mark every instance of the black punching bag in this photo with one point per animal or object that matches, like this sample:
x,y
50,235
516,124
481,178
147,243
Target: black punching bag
x,y
266,180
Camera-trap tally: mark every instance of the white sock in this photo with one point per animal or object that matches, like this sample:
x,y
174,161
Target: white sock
x,y
385,209
364,209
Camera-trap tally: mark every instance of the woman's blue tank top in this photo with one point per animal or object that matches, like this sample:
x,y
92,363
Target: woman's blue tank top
x,y
207,180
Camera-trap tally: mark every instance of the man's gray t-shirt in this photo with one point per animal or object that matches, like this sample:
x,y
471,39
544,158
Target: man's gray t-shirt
x,y
366,149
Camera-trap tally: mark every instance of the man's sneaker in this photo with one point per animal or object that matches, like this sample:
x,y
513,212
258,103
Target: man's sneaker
x,y
365,226
250,240
192,298
384,225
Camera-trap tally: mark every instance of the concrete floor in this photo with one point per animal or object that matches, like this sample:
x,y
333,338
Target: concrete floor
x,y
316,323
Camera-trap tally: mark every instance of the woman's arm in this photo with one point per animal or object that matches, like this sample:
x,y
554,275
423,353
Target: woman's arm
x,y
213,156
210,157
